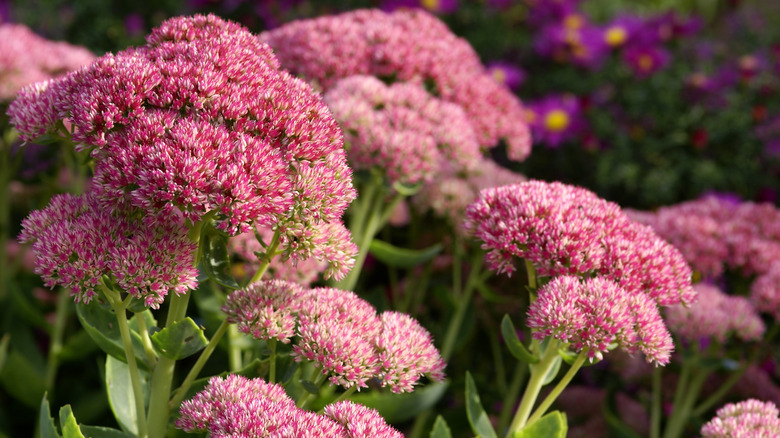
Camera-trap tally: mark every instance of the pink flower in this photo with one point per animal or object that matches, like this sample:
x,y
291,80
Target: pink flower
x,y
409,46
201,122
715,315
594,313
266,310
76,243
564,229
749,418
26,58
401,129
360,421
406,352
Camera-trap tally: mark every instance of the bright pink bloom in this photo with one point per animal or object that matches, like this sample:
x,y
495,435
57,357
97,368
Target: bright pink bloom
x,y
201,121
715,315
76,243
406,352
26,58
591,314
360,421
409,46
749,418
266,310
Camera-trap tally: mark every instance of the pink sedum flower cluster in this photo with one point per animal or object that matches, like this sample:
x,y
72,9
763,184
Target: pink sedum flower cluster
x,y
76,243
26,58
237,407
340,332
568,230
749,419
715,315
201,122
408,46
592,314
401,129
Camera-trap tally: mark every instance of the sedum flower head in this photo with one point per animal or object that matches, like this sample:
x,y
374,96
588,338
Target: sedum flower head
x,y
592,314
749,419
360,421
401,129
266,309
201,121
409,46
715,315
26,58
565,229
76,243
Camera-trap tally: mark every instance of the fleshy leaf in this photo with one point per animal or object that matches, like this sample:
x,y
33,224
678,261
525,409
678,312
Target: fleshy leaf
x,y
102,327
402,257
215,257
552,425
478,419
45,421
179,340
102,432
120,393
440,429
70,428
513,343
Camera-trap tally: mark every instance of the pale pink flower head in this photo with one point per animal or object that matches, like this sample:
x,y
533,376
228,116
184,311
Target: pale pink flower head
x,y
565,229
406,352
76,243
26,58
765,291
337,331
407,46
200,122
715,315
401,129
266,309
360,421
594,313
749,419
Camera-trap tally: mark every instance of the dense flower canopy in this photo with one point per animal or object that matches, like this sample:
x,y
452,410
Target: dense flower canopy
x,y
749,418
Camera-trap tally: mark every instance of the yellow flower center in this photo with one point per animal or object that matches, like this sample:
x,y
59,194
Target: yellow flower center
x,y
499,75
615,36
573,21
556,120
645,62
431,5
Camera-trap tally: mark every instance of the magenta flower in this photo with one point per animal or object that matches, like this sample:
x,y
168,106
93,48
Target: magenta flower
x,y
715,315
401,129
360,421
201,122
266,310
645,60
76,243
749,418
573,40
621,30
408,46
591,315
555,119
507,73
564,229
434,6
406,352
26,58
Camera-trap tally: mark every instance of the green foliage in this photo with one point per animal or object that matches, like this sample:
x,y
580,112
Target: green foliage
x,y
120,393
478,419
552,425
392,255
182,339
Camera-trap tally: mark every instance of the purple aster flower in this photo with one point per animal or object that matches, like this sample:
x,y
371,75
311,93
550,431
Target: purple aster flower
x,y
621,30
542,13
749,418
201,122
555,119
573,41
360,421
266,310
645,60
592,314
507,73
76,243
409,46
434,6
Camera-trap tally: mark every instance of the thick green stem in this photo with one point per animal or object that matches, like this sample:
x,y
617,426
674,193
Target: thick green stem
x,y
58,331
682,411
178,396
146,341
162,377
120,310
272,361
655,407
716,396
511,395
539,371
270,253
365,237
556,391
463,303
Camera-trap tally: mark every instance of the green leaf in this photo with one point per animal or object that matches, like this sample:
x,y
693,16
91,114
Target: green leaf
x,y
101,325
396,408
70,428
440,429
512,342
405,189
45,421
402,257
22,379
478,419
102,432
310,387
215,257
179,340
4,343
552,373
552,425
120,393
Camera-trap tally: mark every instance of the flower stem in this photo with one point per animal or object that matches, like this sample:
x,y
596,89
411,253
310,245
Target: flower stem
x,y
53,361
655,409
270,253
178,396
539,371
684,405
556,391
310,396
345,394
146,341
511,395
464,299
272,360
